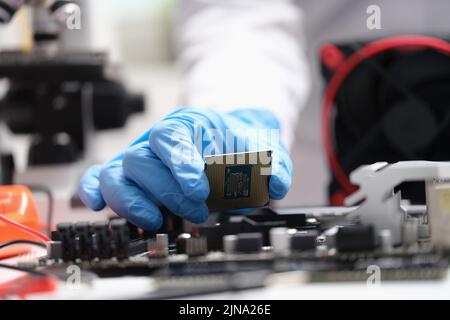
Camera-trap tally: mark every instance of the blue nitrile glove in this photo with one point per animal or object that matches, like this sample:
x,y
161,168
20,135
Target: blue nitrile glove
x,y
165,166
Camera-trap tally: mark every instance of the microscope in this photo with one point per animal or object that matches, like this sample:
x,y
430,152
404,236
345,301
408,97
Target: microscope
x,y
57,96
58,93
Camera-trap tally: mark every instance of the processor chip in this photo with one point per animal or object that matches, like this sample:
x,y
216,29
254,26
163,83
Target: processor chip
x,y
238,180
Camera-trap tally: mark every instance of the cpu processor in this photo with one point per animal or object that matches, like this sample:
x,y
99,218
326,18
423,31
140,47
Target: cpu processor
x,y
238,180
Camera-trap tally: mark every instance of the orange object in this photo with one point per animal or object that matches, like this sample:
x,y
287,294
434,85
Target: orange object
x,y
17,205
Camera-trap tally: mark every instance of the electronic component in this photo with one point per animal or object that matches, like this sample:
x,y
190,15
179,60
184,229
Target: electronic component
x,y
238,180
66,234
304,240
330,236
424,231
159,246
196,246
181,242
229,243
262,220
355,238
249,242
280,241
438,207
410,231
101,239
83,241
120,237
163,240
386,241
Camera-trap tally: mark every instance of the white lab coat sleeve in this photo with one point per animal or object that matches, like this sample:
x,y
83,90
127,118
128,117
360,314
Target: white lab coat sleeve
x,y
244,53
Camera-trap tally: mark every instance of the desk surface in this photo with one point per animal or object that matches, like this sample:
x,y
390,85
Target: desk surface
x,y
136,287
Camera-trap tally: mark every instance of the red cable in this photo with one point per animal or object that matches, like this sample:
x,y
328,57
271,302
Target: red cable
x,y
24,228
341,74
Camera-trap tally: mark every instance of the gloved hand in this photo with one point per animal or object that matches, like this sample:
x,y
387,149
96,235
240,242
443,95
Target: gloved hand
x,y
165,166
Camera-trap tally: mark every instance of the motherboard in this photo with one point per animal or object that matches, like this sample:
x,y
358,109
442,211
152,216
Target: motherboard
x,y
270,246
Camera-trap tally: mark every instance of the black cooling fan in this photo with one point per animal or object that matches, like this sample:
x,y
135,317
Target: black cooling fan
x,y
386,100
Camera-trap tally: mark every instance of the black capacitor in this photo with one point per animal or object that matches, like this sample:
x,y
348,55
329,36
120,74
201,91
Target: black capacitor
x,y
101,240
83,240
355,238
249,242
66,235
304,240
120,238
